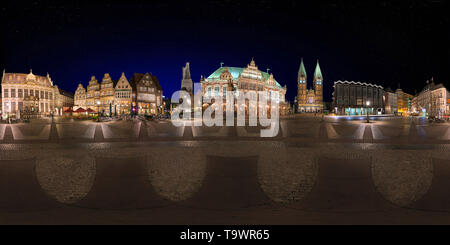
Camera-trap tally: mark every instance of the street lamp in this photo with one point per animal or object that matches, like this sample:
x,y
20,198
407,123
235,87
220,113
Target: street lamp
x,y
367,110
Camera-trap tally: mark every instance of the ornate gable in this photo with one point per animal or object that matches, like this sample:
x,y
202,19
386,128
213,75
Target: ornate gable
x,y
123,82
146,81
271,80
225,75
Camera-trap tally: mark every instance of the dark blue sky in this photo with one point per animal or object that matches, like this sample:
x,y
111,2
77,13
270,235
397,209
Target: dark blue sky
x,y
386,43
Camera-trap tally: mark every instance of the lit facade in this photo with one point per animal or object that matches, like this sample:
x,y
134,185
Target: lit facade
x,y
123,96
403,102
147,95
80,97
142,95
351,98
93,95
432,101
63,99
32,94
107,95
309,100
241,80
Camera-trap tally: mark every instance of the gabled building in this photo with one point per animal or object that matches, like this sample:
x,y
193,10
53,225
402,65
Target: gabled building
x,y
106,95
147,94
123,96
80,97
93,95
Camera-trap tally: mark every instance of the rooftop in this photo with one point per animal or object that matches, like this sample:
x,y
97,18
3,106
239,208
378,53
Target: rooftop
x,y
235,72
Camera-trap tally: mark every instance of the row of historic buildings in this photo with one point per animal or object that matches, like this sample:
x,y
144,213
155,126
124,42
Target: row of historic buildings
x,y
29,94
142,94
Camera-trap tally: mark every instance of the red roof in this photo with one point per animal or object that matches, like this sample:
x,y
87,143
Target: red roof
x,y
90,110
80,110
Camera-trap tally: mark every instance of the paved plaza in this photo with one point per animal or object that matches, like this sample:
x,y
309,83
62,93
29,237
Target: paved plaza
x,y
331,170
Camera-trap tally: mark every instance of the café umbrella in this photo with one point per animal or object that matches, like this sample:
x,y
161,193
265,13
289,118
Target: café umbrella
x,y
80,110
89,110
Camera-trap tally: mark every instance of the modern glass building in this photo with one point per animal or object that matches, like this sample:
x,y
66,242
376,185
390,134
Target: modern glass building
x,y
356,98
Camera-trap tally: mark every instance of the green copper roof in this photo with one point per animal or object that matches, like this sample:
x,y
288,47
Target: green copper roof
x,y
235,72
317,72
302,70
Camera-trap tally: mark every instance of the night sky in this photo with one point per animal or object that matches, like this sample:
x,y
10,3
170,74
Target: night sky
x,y
385,42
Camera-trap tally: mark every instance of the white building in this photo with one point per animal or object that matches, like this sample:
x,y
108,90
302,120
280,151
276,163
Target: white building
x,y
432,101
32,94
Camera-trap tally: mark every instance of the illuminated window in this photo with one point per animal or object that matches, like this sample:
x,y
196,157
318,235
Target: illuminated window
x,y
216,90
224,90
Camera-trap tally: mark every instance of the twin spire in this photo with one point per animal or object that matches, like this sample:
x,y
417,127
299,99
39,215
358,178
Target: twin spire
x,y
317,72
302,71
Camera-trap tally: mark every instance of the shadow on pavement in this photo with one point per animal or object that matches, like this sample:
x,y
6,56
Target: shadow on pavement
x,y
230,183
344,185
122,183
19,188
438,196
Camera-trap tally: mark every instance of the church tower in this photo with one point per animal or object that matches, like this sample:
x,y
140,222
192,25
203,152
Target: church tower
x,y
318,85
301,84
186,82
